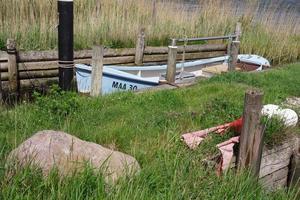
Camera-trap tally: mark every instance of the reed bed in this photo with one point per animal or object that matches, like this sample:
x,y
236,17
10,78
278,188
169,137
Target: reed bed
x,y
33,23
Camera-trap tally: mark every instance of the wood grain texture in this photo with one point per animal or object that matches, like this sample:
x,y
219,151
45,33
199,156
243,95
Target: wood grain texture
x,y
251,139
97,69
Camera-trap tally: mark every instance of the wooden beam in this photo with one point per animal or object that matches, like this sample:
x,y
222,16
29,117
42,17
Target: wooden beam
x,y
140,47
188,49
171,68
251,140
97,70
188,56
34,56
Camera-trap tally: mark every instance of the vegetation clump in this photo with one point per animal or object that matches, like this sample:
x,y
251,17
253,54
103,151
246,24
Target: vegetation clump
x,y
33,23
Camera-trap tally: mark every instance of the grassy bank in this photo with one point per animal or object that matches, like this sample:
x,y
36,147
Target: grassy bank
x,y
147,126
116,23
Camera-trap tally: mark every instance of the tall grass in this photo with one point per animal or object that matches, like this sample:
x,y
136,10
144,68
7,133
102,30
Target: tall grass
x,y
115,23
147,126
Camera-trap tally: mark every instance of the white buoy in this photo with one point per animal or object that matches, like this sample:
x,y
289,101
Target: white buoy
x,y
288,116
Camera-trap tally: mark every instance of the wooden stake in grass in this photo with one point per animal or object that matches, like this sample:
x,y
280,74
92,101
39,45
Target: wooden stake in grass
x,y
251,140
171,69
233,55
12,66
140,47
97,70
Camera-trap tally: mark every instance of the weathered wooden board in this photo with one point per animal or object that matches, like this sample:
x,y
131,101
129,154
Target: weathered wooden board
x,y
31,56
188,56
277,179
3,56
188,49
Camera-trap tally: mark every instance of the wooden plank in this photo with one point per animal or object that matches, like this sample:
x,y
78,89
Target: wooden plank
x,y
37,83
32,56
97,68
251,139
4,76
215,69
38,74
276,180
188,56
3,56
188,49
274,162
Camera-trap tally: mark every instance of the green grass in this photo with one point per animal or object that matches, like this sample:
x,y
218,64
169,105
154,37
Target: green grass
x,y
147,126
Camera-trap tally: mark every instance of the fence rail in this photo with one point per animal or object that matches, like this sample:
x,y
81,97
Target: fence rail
x,y
23,69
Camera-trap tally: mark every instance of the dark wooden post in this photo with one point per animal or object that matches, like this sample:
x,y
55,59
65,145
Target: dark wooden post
x,y
171,69
12,66
97,70
65,43
140,47
233,55
251,140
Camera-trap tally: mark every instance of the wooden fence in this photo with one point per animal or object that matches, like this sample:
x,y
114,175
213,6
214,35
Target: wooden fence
x,y
28,69
33,68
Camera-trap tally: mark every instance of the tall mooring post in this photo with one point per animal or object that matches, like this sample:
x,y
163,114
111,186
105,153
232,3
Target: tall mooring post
x,y
234,47
251,140
65,44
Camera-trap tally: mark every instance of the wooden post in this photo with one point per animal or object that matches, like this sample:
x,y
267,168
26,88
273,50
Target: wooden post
x,y
97,70
171,69
12,66
238,31
233,55
251,140
140,47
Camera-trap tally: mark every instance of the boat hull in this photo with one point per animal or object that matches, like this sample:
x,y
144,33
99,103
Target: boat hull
x,y
112,81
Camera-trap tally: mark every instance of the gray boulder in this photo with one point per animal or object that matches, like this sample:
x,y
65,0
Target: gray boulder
x,y
68,154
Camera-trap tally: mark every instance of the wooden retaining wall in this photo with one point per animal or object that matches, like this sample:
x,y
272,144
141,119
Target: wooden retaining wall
x,y
279,165
37,68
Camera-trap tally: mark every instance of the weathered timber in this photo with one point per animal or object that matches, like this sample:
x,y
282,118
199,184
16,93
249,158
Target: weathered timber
x,y
97,69
276,180
34,56
12,66
188,56
37,83
31,56
3,56
171,68
28,66
251,139
140,47
233,55
188,49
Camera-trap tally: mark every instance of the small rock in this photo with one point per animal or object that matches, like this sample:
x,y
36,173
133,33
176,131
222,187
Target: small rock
x,y
68,154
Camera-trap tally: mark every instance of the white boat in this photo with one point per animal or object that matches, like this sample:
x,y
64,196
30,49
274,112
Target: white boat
x,y
131,78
